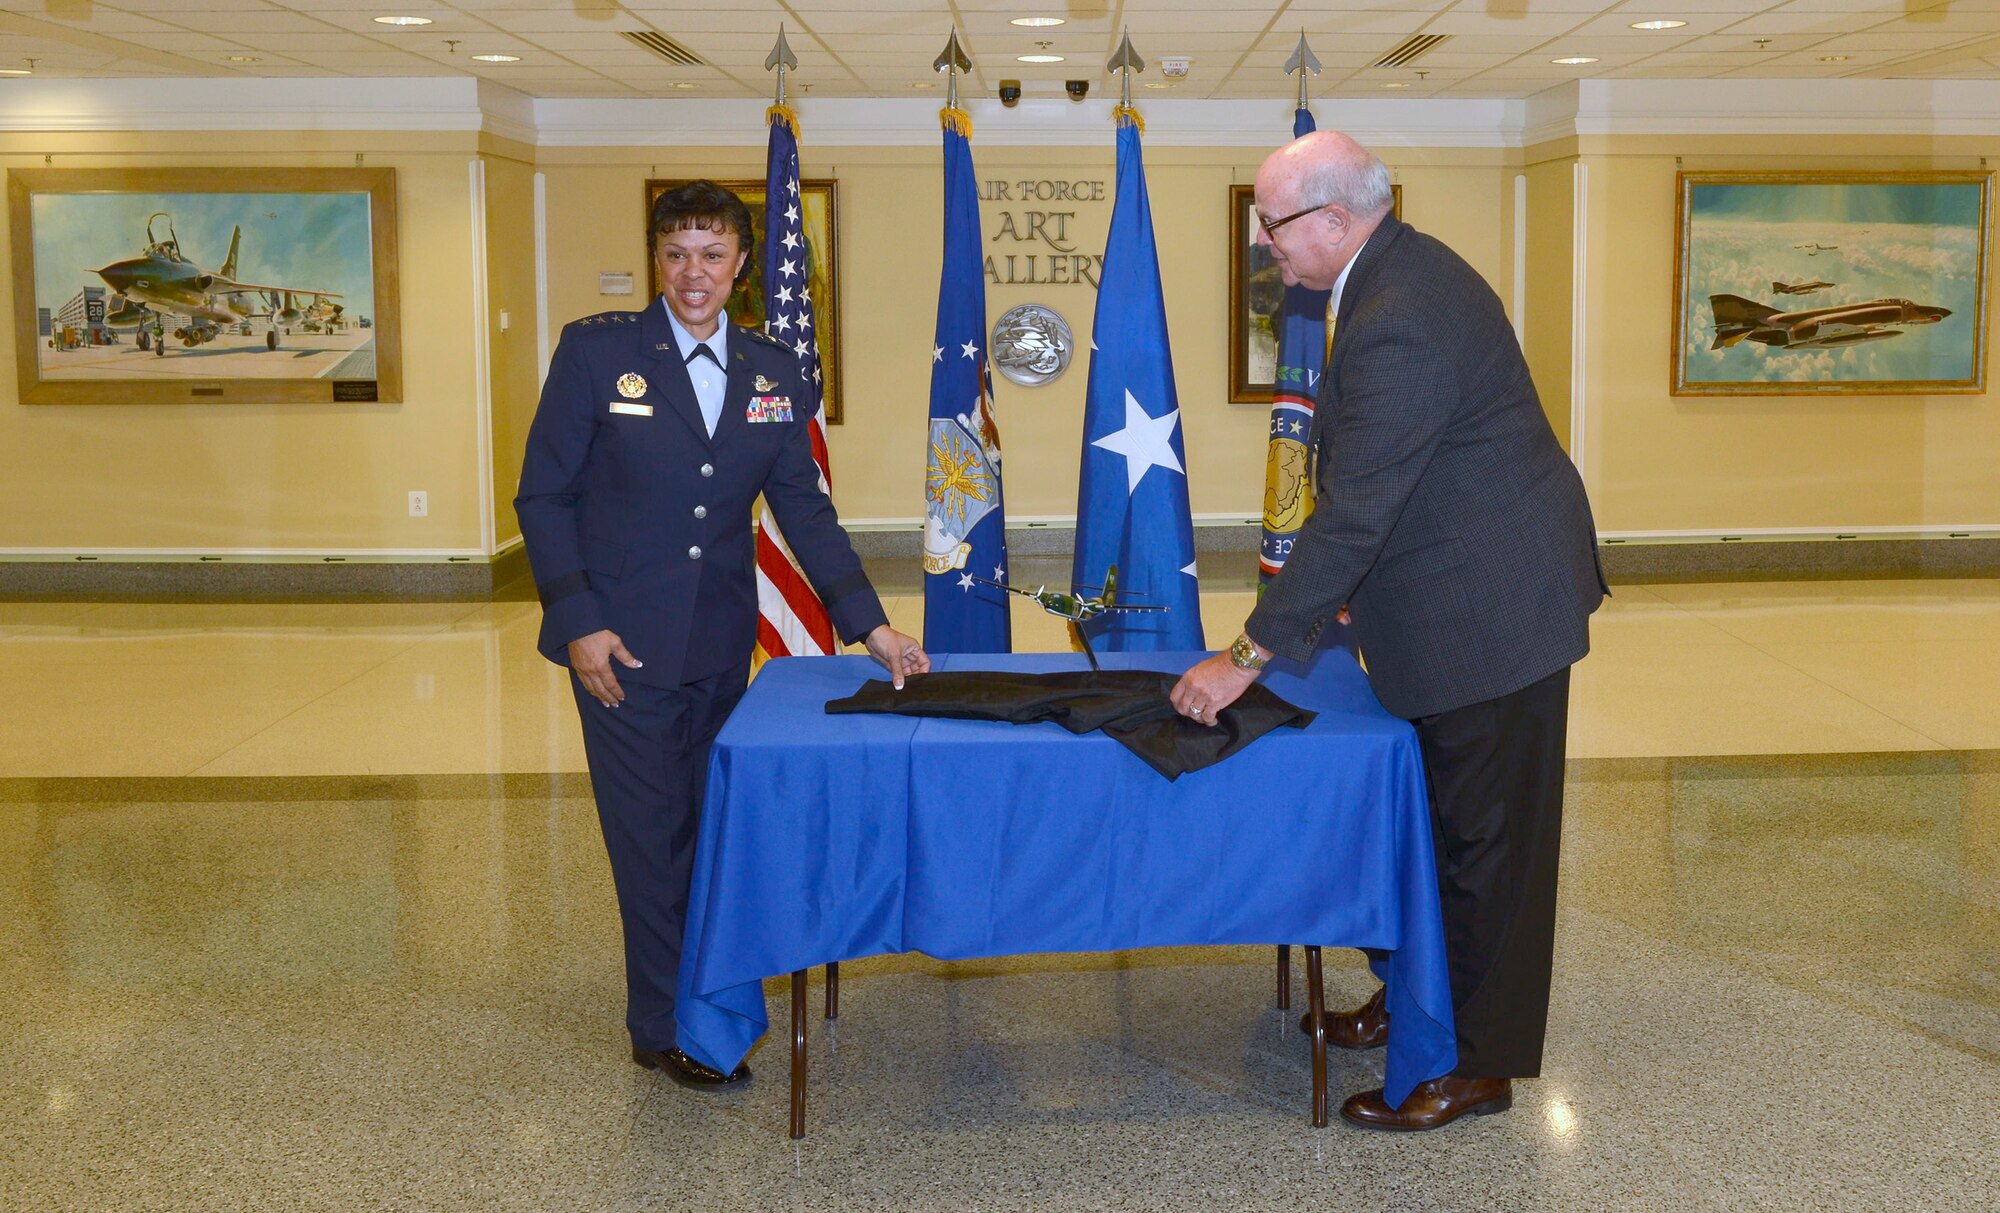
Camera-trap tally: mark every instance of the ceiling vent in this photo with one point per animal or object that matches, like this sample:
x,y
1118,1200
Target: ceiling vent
x,y
1417,46
663,46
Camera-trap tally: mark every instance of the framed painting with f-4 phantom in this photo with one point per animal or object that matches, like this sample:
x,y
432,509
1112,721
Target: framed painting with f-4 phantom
x,y
1255,293
1811,284
746,302
159,286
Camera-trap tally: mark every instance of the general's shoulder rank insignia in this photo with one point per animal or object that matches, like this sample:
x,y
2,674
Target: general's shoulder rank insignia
x,y
631,386
765,385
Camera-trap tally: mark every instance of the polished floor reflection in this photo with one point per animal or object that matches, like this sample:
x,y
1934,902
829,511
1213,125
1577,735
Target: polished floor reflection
x,y
303,907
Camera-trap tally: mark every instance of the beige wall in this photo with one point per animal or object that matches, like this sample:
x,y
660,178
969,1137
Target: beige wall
x,y
325,476
334,477
1655,462
515,360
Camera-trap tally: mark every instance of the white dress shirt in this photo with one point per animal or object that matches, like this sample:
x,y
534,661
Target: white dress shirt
x,y
710,379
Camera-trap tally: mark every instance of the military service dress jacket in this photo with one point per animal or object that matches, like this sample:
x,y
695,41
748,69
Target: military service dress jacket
x,y
636,520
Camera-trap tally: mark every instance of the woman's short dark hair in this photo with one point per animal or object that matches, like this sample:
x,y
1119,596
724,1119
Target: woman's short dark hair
x,y
706,205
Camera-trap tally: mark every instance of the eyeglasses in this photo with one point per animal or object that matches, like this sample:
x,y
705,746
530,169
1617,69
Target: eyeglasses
x,y
1271,226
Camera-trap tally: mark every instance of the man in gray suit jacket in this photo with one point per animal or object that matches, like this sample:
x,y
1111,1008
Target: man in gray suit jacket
x,y
1455,530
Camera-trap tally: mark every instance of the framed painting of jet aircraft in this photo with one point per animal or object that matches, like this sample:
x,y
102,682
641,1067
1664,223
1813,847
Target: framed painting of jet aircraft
x,y
1255,294
174,286
746,302
1825,283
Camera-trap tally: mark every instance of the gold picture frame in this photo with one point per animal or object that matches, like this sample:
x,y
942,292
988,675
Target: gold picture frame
x,y
746,302
1830,283
1255,291
284,288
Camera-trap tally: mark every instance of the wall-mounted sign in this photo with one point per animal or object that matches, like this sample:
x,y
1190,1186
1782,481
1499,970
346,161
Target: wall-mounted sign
x,y
614,282
1051,256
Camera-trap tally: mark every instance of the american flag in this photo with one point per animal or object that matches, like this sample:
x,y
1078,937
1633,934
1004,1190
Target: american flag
x,y
791,622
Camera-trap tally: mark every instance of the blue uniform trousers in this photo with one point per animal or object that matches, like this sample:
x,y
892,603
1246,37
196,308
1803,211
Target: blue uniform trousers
x,y
649,767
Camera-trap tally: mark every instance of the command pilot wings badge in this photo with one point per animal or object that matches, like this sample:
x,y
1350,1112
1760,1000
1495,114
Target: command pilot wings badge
x,y
631,386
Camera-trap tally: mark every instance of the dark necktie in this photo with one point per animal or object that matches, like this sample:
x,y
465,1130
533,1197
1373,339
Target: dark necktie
x,y
701,348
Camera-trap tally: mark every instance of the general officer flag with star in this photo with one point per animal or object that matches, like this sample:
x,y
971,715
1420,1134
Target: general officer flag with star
x,y
1132,503
965,526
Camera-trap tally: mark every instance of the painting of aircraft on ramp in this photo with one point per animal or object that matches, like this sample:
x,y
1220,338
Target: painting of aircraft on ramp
x,y
1831,283
223,284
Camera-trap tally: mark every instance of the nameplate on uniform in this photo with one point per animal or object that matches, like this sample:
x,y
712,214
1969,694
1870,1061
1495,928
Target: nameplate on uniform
x,y
768,408
632,408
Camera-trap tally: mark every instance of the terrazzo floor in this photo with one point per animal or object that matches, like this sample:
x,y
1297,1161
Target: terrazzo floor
x,y
304,907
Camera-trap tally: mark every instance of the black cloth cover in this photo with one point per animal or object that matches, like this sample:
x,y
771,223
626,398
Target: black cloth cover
x,y
1130,706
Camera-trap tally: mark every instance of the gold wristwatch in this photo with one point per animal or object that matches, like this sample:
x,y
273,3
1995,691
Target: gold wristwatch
x,y
1243,654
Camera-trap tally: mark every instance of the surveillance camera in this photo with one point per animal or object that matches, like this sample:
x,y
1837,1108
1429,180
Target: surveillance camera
x,y
1076,89
1010,92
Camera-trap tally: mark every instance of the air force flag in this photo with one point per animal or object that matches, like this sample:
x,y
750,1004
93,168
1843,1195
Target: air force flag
x,y
1132,502
965,523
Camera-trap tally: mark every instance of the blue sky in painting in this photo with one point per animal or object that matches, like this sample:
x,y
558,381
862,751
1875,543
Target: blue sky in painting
x,y
1894,240
305,241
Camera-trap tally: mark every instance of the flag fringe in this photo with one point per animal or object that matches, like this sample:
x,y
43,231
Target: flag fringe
x,y
785,114
1125,115
956,121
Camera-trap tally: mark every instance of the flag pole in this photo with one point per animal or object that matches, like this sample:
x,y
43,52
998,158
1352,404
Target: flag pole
x,y
1305,63
951,61
780,58
1125,62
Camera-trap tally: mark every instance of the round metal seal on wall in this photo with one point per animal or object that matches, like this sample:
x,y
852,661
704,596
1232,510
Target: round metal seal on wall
x,y
1032,345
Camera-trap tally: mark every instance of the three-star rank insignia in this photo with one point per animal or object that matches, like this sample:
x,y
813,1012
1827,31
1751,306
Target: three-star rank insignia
x,y
631,386
765,385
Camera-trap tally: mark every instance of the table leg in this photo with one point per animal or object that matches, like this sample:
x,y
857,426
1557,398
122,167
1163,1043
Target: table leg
x,y
833,989
1284,977
1316,1000
799,1054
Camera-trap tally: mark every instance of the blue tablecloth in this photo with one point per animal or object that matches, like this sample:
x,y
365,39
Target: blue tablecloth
x,y
827,838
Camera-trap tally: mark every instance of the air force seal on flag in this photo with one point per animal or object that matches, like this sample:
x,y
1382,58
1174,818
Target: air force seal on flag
x,y
631,386
963,487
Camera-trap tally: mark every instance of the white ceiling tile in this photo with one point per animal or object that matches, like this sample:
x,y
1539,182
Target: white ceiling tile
x,y
1871,40
1802,23
247,22
1479,21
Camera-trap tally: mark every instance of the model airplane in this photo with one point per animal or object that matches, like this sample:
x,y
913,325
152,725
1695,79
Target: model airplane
x,y
1801,288
1842,324
1080,608
162,284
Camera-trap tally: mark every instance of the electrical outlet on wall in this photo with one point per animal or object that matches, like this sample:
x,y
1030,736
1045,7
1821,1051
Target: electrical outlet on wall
x,y
420,504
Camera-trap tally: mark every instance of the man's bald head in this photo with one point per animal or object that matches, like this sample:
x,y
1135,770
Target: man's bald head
x,y
1325,168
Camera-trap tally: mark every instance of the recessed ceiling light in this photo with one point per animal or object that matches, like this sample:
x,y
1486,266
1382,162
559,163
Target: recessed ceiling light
x,y
1158,84
15,71
402,20
1397,84
683,84
1833,58
1038,58
498,58
1573,60
1036,22
925,84
1663,23
243,59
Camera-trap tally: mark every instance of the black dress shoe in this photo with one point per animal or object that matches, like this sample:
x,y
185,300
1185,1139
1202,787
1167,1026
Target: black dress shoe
x,y
1433,1104
688,1072
1365,1027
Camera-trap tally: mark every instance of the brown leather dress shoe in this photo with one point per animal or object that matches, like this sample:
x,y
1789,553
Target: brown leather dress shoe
x,y
1365,1027
688,1072
1432,1104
